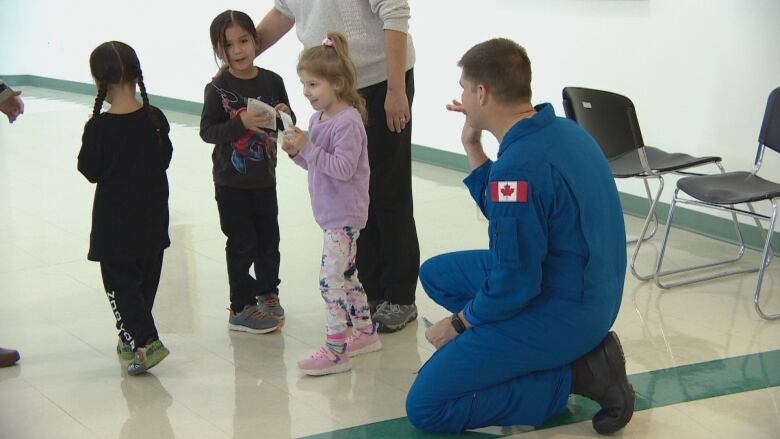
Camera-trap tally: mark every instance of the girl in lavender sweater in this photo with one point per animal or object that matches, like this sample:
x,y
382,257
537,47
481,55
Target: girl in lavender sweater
x,y
337,160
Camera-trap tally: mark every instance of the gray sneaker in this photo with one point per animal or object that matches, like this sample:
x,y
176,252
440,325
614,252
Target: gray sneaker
x,y
269,303
253,320
390,317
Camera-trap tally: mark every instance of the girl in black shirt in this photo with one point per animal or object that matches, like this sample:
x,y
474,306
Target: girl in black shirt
x,y
126,151
244,158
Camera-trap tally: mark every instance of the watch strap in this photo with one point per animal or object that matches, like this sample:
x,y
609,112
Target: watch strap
x,y
457,323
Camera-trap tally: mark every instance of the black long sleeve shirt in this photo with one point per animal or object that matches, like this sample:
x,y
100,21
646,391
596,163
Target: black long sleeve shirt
x,y
127,157
242,158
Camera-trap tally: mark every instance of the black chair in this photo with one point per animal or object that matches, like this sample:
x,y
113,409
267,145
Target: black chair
x,y
724,191
611,119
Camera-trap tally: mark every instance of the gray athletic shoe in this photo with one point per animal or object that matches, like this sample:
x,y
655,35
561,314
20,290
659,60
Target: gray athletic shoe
x,y
269,303
253,320
391,317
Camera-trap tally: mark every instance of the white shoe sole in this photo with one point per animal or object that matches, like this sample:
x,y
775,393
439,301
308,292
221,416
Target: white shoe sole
x,y
241,328
373,347
339,368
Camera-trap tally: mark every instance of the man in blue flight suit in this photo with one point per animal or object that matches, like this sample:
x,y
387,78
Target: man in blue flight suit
x,y
531,315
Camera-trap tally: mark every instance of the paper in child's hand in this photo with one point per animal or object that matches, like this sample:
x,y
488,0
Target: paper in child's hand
x,y
255,106
286,120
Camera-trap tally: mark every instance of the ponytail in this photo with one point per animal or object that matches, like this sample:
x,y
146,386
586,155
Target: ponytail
x,y
331,61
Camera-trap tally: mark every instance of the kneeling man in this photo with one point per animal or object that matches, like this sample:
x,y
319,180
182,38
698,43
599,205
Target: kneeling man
x,y
530,315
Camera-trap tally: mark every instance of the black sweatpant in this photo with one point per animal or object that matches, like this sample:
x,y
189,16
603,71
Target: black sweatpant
x,y
388,256
131,287
250,220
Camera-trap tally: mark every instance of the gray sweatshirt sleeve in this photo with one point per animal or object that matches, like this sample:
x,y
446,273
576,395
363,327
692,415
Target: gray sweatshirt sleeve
x,y
394,14
282,7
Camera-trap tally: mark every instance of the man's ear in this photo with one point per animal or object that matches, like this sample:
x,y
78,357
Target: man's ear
x,y
482,94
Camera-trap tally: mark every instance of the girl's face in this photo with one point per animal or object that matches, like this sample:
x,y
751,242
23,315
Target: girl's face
x,y
239,51
320,92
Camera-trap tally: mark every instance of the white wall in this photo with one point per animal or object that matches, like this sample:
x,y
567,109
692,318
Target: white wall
x,y
698,71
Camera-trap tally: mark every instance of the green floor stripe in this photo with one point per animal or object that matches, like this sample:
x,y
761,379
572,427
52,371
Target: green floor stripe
x,y
393,428
657,388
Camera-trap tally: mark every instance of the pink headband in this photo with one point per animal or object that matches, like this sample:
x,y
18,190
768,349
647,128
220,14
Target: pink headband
x,y
327,42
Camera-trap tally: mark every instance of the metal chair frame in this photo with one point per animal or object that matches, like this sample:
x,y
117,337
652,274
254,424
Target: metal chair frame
x,y
647,174
766,255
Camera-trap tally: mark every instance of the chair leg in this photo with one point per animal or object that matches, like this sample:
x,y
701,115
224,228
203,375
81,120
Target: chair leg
x,y
765,259
659,274
763,233
654,218
642,236
741,252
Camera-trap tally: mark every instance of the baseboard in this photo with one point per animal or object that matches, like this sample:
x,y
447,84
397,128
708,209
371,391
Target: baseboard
x,y
180,105
694,221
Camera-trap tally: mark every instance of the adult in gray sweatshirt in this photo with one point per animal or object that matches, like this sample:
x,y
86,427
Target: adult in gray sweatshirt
x,y
388,255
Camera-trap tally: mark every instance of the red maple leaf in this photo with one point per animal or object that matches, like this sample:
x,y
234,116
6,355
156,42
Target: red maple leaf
x,y
507,190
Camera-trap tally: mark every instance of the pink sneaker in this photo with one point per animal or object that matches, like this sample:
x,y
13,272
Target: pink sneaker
x,y
360,343
325,361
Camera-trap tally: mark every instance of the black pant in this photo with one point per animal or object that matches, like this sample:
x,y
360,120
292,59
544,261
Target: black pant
x,y
131,287
250,220
388,256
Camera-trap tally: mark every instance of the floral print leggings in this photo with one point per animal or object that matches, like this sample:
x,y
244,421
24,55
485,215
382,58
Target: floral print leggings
x,y
344,296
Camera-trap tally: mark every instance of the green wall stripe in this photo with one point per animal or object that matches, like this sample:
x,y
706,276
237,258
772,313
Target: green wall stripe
x,y
654,389
694,221
698,222
444,159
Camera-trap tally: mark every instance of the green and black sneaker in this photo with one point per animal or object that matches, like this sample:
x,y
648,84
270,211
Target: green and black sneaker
x,y
147,357
125,351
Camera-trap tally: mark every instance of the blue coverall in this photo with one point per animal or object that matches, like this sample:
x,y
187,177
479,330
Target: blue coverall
x,y
545,293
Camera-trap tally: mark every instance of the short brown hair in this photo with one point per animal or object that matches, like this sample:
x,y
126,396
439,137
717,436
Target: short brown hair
x,y
502,66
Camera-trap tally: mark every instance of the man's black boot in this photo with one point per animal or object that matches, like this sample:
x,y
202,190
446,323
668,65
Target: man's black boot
x,y
601,376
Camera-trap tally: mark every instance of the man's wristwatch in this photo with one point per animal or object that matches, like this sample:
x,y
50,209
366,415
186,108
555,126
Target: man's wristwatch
x,y
457,323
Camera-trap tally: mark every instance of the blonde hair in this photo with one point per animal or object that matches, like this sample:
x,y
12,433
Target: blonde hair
x,y
331,61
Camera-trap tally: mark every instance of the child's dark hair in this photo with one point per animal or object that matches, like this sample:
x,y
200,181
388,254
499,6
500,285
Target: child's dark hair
x,y
115,62
331,61
219,26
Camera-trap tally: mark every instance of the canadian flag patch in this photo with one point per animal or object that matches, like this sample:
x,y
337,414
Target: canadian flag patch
x,y
509,191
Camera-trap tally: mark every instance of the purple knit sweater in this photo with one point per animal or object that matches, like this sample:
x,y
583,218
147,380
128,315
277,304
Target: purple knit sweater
x,y
336,157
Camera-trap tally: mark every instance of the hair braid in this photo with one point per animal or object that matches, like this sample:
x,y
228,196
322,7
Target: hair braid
x,y
101,96
145,99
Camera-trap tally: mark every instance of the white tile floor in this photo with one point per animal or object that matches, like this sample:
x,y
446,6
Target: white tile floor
x,y
218,384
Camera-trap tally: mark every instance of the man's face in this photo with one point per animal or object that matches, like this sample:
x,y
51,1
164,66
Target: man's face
x,y
470,100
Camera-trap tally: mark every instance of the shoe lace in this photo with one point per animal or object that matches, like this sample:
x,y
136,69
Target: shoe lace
x,y
323,351
140,355
271,302
260,314
358,334
388,308
355,336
